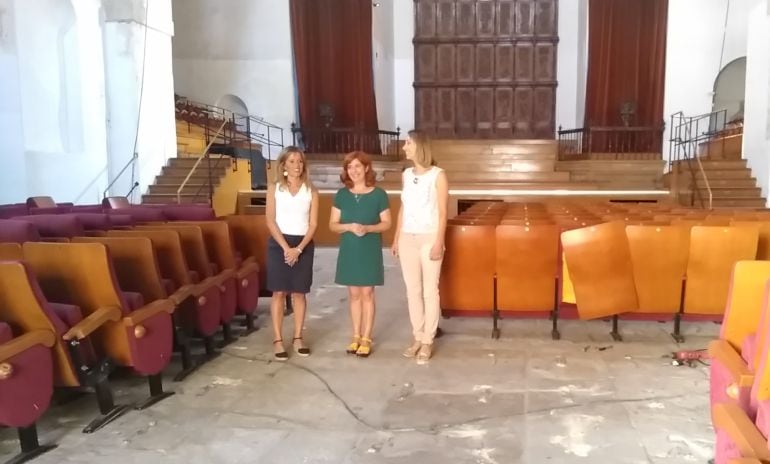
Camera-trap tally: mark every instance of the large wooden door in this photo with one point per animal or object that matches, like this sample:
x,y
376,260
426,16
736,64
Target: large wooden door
x,y
485,68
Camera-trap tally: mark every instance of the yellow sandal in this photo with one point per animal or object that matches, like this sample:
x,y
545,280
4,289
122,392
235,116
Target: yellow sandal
x,y
353,347
364,348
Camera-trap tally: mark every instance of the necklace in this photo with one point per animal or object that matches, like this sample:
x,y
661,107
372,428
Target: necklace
x,y
357,196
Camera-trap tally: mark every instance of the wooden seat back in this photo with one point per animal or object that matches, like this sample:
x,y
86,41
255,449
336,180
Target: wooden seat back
x,y
744,307
467,272
11,252
659,259
250,235
712,256
601,271
23,306
135,264
219,246
526,266
168,249
763,239
81,274
193,246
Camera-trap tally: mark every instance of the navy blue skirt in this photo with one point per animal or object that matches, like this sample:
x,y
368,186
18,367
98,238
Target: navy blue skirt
x,y
291,279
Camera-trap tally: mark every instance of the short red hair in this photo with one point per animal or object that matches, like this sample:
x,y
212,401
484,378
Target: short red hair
x,y
366,161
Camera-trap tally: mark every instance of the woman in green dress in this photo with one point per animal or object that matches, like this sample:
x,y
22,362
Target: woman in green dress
x,y
360,214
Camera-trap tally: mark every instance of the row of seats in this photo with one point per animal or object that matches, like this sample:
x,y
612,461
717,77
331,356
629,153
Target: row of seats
x,y
78,301
596,260
739,372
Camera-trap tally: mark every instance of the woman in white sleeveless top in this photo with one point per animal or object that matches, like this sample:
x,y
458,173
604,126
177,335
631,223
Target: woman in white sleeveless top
x,y
419,241
292,216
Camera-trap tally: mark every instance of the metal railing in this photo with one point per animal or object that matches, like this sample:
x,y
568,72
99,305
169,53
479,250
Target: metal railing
x,y
205,155
688,135
130,163
610,142
346,139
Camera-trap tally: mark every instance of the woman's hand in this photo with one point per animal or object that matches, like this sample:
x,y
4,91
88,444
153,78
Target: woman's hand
x,y
394,249
357,229
436,251
291,256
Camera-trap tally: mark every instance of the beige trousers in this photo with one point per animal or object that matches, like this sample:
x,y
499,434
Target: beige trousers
x,y
421,276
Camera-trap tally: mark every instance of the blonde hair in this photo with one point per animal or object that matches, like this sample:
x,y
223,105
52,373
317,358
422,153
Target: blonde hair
x,y
423,155
280,177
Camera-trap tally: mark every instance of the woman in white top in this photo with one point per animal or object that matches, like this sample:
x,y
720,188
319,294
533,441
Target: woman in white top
x,y
419,241
292,216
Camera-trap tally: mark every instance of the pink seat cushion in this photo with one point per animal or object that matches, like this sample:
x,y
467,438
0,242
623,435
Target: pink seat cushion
x,y
25,396
133,300
748,349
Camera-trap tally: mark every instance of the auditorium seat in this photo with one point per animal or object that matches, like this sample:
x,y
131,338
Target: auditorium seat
x,y
26,384
712,254
82,274
467,273
526,267
18,231
221,250
659,260
250,235
763,238
137,270
24,308
202,313
738,435
734,355
602,274
196,254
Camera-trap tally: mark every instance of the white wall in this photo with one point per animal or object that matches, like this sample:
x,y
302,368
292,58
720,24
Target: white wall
x,y
403,63
756,130
383,63
572,64
694,52
138,63
238,47
53,119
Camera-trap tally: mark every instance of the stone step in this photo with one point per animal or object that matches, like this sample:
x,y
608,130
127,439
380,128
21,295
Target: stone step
x,y
190,188
203,168
714,164
465,165
197,178
162,198
739,202
748,182
754,192
472,176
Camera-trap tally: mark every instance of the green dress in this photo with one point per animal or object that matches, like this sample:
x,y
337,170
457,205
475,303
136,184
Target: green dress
x,y
359,263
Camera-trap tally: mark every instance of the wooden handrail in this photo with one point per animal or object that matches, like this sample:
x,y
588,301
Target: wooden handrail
x,y
195,166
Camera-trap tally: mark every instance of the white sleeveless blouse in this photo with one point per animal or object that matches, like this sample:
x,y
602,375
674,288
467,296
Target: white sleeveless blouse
x,y
419,201
292,213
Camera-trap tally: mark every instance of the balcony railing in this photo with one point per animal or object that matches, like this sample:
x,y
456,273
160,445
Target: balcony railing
x,y
345,140
609,142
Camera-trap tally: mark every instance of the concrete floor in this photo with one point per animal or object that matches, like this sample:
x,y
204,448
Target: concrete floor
x,y
520,399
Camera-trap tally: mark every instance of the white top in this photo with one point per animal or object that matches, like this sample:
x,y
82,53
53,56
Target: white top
x,y
292,212
419,201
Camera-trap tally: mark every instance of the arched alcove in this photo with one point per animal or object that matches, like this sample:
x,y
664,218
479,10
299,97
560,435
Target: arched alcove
x,y
730,89
232,103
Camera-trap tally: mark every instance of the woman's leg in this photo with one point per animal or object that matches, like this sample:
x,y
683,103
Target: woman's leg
x,y
300,305
367,304
409,258
276,314
354,297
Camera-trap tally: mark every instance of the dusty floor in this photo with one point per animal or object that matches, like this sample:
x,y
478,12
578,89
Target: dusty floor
x,y
520,399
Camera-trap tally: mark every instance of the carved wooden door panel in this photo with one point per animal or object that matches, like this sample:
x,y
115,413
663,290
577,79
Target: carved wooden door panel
x,y
485,68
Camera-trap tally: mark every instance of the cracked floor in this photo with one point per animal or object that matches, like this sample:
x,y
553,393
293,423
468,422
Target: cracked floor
x,y
520,399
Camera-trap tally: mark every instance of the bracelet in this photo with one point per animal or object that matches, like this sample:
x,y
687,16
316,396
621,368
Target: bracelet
x,y
299,250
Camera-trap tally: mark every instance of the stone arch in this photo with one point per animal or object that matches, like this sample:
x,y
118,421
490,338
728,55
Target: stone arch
x,y
730,89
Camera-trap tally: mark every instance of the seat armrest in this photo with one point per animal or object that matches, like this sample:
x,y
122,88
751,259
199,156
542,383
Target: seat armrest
x,y
26,341
733,420
248,268
249,261
94,320
184,292
148,311
224,276
722,351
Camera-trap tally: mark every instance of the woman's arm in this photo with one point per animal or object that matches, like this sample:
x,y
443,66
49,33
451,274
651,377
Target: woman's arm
x,y
313,222
334,222
272,226
383,225
442,196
